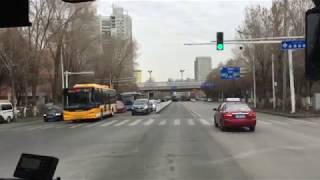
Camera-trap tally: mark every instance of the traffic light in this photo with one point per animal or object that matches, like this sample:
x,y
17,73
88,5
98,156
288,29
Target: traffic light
x,y
312,55
220,45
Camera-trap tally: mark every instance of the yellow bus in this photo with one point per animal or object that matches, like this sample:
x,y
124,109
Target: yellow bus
x,y
89,102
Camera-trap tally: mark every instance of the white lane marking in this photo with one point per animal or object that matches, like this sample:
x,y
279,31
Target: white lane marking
x,y
122,123
135,122
75,126
264,122
177,122
48,127
149,122
37,127
191,122
197,114
109,123
63,126
94,124
204,122
163,122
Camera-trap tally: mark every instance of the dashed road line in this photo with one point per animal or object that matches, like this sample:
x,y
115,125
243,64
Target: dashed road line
x,y
204,122
75,126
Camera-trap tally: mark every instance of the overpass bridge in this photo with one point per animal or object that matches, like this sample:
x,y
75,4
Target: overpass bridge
x,y
161,89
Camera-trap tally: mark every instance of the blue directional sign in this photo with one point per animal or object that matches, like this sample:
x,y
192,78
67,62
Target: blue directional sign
x,y
296,44
230,73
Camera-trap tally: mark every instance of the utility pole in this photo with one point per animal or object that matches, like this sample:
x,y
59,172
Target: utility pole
x,y
284,65
273,84
254,81
291,75
62,68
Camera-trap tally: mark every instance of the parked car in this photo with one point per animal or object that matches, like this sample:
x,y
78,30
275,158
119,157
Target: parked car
x,y
121,108
6,112
236,115
141,106
52,113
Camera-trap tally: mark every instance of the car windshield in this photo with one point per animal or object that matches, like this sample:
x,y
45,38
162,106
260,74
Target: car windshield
x,y
237,107
161,89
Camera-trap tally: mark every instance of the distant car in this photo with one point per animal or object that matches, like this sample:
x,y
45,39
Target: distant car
x,y
154,104
193,100
234,115
6,112
209,100
52,113
121,108
141,106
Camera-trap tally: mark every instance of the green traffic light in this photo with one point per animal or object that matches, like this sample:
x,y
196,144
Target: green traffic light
x,y
220,46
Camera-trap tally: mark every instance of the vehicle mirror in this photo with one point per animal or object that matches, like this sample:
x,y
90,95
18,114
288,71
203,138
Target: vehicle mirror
x,y
215,109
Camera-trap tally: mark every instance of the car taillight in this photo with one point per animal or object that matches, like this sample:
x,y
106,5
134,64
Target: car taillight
x,y
252,114
227,115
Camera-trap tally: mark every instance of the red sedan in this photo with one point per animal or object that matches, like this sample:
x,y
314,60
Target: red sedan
x,y
121,108
234,115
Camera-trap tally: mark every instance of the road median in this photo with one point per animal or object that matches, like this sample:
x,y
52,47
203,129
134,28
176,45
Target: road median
x,y
162,106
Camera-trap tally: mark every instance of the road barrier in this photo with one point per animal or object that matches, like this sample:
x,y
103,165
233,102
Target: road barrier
x,y
162,106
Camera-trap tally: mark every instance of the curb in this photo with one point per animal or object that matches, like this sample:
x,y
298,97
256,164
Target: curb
x,y
163,107
289,115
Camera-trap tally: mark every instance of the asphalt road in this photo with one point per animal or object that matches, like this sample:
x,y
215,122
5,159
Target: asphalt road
x,y
178,144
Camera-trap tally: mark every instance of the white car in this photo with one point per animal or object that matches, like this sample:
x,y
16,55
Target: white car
x,y
6,111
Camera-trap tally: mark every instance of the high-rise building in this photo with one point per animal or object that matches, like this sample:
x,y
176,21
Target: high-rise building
x,y
202,68
118,25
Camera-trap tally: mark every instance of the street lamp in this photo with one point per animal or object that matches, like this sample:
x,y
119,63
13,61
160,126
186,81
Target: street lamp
x,y
150,72
182,71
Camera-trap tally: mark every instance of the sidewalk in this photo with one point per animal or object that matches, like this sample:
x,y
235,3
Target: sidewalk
x,y
28,119
290,115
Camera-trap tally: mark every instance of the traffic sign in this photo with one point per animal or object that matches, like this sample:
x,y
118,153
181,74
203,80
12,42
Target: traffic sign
x,y
296,44
230,73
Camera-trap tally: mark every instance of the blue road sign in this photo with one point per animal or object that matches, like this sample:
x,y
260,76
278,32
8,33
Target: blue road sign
x,y
296,44
230,73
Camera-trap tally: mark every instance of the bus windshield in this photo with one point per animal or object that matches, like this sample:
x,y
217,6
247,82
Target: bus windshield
x,y
76,98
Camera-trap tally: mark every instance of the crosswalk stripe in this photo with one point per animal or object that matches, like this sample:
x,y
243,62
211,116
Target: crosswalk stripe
x,y
191,122
149,122
177,122
109,123
75,126
163,122
34,128
204,122
135,122
122,123
47,127
92,125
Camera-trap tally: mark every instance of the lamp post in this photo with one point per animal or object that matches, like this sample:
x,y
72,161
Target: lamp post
x,y
150,76
182,71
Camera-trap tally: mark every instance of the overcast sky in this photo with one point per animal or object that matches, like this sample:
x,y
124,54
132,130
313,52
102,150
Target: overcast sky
x,y
162,27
